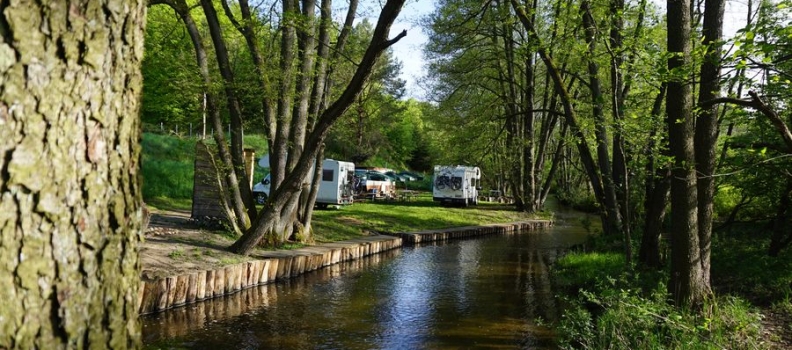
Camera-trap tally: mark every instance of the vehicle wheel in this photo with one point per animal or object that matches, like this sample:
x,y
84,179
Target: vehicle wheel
x,y
260,197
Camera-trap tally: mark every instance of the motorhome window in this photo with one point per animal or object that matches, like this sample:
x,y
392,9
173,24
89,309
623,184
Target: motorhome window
x,y
456,183
327,174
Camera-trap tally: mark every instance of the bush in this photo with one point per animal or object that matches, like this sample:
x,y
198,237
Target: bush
x,y
620,318
609,307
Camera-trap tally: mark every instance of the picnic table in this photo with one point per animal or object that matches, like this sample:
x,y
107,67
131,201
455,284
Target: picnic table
x,y
407,195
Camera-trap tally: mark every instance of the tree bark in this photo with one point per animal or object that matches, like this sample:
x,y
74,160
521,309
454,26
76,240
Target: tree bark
x,y
686,286
70,206
707,127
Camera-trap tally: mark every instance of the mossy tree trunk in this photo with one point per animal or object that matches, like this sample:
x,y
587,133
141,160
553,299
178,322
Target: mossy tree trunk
x,y
70,211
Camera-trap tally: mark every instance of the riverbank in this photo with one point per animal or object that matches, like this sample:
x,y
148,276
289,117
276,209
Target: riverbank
x,y
182,264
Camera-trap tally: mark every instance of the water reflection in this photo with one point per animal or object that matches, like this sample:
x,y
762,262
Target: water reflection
x,y
484,292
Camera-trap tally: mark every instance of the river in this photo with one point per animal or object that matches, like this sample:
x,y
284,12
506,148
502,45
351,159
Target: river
x,y
488,292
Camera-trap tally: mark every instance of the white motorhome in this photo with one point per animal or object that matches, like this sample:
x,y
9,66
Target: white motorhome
x,y
456,184
335,187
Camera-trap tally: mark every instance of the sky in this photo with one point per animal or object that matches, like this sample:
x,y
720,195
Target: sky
x,y
409,49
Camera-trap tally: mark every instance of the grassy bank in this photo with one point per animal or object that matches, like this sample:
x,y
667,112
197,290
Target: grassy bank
x,y
611,306
421,214
167,168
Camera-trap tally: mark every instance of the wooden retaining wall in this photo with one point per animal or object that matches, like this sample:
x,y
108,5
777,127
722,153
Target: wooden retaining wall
x,y
471,231
169,292
165,293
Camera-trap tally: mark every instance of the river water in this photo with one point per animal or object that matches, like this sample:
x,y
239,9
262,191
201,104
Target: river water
x,y
488,292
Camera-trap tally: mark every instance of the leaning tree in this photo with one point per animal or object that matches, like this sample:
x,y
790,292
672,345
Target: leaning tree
x,y
301,114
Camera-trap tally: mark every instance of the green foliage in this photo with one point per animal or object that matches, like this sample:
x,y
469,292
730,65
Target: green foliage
x,y
741,266
611,308
171,80
622,318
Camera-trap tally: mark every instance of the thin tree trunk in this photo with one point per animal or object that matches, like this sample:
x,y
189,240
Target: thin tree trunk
x,y
229,176
657,185
306,52
612,222
279,153
247,29
70,191
241,194
531,190
569,111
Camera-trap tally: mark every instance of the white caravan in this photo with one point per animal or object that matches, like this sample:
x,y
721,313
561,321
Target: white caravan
x,y
335,187
456,184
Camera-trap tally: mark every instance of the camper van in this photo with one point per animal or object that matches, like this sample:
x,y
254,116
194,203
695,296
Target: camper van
x,y
335,187
456,184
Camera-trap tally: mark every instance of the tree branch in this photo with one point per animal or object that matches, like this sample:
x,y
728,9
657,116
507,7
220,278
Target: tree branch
x,y
757,103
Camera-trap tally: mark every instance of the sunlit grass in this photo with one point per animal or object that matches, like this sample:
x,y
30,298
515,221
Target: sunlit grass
x,y
363,218
165,203
168,165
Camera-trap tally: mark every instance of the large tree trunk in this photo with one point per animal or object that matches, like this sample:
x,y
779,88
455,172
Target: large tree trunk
x,y
70,213
686,286
707,127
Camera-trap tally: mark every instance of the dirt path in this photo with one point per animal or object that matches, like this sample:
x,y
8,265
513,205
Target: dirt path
x,y
174,245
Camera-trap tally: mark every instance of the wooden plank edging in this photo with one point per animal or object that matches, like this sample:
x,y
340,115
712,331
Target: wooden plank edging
x,y
168,292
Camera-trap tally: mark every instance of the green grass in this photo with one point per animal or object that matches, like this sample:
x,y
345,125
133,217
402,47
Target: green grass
x,y
167,167
612,307
418,215
585,270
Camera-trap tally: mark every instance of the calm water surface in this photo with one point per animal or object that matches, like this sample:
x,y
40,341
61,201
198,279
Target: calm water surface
x,y
486,292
